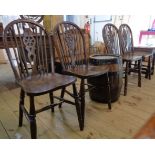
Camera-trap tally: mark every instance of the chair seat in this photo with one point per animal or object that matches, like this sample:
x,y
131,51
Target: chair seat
x,y
143,53
87,71
138,52
131,57
38,84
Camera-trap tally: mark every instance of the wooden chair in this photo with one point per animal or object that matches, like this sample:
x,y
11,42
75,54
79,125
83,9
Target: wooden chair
x,y
113,46
128,46
26,45
70,46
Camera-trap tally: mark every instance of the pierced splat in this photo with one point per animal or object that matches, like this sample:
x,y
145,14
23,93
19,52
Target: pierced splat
x,y
126,40
71,47
30,42
111,39
124,35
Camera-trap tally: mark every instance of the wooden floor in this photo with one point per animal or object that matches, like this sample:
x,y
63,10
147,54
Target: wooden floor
x,y
127,116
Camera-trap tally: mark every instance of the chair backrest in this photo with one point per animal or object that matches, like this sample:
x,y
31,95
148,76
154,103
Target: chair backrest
x,y
111,39
28,48
126,38
70,45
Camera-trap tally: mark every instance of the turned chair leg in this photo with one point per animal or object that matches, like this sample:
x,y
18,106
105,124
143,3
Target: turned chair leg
x,y
21,104
82,99
139,72
77,104
129,65
109,91
51,100
32,115
62,95
149,68
126,78
152,66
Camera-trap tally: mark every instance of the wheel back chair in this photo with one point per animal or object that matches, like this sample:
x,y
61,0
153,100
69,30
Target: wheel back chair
x,y
113,46
127,45
29,50
70,46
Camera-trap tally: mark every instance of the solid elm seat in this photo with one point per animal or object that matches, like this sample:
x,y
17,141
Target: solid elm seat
x,y
41,84
87,71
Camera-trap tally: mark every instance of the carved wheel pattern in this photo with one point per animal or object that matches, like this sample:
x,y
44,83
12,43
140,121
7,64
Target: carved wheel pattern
x,y
111,39
126,39
71,46
70,42
29,42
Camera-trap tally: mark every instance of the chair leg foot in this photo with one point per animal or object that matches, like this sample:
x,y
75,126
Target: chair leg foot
x,y
125,87
149,68
21,103
82,128
126,78
77,104
32,115
139,72
82,98
51,100
33,128
109,106
62,95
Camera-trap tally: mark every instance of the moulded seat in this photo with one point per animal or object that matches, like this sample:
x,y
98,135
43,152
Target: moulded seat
x,y
131,57
42,84
87,71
